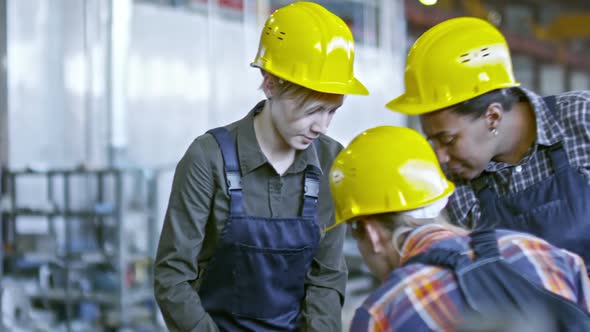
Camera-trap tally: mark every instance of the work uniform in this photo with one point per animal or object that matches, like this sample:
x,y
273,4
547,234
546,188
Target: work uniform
x,y
548,191
249,254
446,276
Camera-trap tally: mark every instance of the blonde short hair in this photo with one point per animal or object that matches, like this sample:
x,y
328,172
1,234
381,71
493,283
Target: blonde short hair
x,y
301,95
401,225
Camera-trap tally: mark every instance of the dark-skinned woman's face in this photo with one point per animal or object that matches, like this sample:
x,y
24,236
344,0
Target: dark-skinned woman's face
x,y
463,145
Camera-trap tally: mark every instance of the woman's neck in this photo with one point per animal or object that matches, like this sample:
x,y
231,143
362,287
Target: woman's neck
x,y
519,134
278,152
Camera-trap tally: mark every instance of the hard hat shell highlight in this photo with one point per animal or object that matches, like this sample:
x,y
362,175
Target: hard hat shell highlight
x,y
386,169
306,44
454,61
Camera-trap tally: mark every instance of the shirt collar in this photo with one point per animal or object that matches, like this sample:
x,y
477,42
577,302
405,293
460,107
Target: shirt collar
x,y
305,158
250,154
422,238
549,131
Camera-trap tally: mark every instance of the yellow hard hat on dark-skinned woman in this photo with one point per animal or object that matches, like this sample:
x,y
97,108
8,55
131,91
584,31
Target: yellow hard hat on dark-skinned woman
x,y
454,61
386,169
306,44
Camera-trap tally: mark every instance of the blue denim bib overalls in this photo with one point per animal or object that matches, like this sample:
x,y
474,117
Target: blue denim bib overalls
x,y
556,209
255,279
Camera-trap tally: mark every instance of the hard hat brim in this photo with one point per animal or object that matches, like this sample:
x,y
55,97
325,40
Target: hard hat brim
x,y
352,87
404,104
450,189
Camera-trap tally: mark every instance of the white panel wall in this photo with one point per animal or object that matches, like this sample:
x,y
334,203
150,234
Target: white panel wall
x,y
55,82
523,70
383,76
580,81
191,72
186,72
552,79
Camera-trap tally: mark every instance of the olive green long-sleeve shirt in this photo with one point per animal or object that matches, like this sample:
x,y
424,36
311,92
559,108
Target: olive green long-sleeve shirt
x,y
198,209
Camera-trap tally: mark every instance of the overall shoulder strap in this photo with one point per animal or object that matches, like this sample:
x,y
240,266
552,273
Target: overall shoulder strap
x,y
233,175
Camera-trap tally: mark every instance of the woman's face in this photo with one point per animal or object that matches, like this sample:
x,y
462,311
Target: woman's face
x,y
464,146
298,125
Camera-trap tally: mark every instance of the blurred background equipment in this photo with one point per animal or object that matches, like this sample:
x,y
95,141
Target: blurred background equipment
x,y
124,86
16,309
82,245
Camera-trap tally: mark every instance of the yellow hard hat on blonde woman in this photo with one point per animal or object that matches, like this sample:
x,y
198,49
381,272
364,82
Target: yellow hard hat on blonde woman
x,y
452,62
386,169
306,44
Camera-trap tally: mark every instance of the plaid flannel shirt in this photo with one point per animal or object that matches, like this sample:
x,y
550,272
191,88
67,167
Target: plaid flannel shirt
x,y
572,125
426,298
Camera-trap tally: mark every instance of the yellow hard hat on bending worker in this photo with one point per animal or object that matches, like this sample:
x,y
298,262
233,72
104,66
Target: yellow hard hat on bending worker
x,y
373,176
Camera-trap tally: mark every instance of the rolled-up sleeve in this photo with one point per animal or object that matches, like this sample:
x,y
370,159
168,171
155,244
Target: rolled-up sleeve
x,y
181,241
325,285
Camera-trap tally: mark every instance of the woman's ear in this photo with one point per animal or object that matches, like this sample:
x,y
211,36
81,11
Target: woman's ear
x,y
268,84
374,235
493,115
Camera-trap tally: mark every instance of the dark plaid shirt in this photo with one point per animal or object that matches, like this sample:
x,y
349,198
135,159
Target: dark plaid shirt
x,y
572,126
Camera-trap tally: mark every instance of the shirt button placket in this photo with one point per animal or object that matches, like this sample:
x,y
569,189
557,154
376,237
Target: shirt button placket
x,y
274,188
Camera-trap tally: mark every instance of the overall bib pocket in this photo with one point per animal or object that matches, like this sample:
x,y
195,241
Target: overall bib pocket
x,y
269,282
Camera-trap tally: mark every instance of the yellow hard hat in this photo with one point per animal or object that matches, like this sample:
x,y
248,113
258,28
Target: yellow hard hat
x,y
306,44
386,169
452,62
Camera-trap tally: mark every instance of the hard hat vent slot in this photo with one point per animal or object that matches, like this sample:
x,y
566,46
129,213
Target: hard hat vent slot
x,y
269,29
465,57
